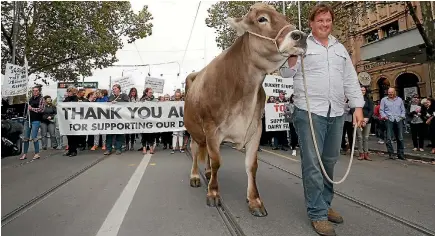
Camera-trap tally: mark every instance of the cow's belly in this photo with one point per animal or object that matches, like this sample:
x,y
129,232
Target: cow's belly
x,y
240,129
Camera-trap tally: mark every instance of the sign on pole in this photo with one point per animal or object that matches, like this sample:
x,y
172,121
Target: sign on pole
x,y
155,84
15,81
273,84
125,82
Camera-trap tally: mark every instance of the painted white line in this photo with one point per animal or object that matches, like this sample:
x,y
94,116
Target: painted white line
x,y
116,215
277,154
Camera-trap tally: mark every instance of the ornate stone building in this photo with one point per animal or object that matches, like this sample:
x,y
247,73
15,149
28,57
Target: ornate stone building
x,y
387,45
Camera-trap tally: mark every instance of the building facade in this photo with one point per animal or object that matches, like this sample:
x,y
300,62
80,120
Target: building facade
x,y
403,67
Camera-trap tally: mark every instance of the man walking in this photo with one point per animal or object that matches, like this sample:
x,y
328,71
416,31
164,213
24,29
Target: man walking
x,y
331,78
392,110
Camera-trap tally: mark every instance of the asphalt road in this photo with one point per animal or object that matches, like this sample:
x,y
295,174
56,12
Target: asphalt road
x,y
136,194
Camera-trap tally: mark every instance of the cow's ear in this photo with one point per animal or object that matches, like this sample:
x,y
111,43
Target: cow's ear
x,y
238,25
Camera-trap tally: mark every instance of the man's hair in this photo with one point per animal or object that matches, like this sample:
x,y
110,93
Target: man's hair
x,y
320,9
117,85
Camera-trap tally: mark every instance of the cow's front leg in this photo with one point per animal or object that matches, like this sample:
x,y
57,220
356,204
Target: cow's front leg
x,y
256,206
213,196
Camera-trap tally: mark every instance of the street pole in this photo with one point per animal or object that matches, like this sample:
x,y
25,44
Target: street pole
x,y
299,15
283,7
15,30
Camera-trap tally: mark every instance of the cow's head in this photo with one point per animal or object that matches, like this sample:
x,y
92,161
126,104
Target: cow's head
x,y
270,31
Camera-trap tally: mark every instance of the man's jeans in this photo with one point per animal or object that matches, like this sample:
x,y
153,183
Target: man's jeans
x,y
395,128
119,140
328,130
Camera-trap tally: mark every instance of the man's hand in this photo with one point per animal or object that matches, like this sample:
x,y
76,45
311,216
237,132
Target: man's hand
x,y
358,117
292,61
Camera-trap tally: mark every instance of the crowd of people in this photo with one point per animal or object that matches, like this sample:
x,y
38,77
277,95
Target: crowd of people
x,y
43,117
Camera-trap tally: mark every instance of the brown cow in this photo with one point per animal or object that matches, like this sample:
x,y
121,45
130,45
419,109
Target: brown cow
x,y
225,100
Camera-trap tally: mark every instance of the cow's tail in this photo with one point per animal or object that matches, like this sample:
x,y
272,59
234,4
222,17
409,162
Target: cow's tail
x,y
189,80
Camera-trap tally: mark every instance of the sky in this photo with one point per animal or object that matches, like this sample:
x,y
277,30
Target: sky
x,y
172,22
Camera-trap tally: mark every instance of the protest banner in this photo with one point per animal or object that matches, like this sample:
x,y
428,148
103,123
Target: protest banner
x,y
155,84
273,84
15,81
274,117
90,118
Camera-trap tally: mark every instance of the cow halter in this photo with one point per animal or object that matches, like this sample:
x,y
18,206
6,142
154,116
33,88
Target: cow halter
x,y
273,40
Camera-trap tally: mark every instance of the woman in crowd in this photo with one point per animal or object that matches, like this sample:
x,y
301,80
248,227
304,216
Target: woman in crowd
x,y
130,138
148,139
363,134
48,124
116,97
36,106
417,124
429,113
347,127
99,97
72,139
293,134
166,136
177,134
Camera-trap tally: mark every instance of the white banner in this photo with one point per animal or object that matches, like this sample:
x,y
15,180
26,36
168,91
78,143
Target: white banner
x,y
88,118
273,84
275,119
15,81
155,84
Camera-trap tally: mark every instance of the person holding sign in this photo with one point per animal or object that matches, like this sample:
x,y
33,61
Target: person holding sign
x,y
330,78
116,97
73,140
36,108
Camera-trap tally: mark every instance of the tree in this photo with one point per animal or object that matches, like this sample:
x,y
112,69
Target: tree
x,y
66,39
218,12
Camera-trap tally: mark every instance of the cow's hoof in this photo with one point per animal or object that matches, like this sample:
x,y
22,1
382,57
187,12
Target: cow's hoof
x,y
208,175
258,211
195,182
213,201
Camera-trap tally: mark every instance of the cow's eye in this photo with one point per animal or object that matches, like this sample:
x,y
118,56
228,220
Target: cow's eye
x,y
262,19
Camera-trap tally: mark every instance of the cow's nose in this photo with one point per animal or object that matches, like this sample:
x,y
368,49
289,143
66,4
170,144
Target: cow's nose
x,y
297,35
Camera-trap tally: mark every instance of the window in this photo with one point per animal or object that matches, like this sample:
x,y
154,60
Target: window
x,y
371,36
390,29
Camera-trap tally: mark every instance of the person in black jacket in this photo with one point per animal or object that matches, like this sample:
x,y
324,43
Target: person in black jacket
x,y
73,140
428,113
36,108
48,124
363,134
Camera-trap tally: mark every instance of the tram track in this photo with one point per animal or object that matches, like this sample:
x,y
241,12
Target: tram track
x,y
17,212
357,201
229,220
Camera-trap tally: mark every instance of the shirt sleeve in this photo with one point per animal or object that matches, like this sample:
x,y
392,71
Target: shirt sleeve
x,y
352,89
382,109
41,107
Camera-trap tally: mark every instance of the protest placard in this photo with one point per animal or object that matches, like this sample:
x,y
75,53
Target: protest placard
x,y
125,82
90,118
15,81
273,84
155,84
274,117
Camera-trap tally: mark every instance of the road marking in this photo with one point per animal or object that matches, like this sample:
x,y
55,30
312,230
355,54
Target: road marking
x,y
152,164
132,165
277,154
116,215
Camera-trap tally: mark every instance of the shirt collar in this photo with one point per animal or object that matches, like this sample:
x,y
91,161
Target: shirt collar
x,y
331,39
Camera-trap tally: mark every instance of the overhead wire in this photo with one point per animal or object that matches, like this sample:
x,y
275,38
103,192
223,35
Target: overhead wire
x,y
190,36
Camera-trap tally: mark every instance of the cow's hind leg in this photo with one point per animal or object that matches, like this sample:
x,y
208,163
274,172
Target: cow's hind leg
x,y
197,150
208,169
256,206
213,196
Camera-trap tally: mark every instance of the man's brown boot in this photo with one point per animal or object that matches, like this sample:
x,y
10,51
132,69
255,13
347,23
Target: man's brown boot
x,y
323,228
361,156
334,217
